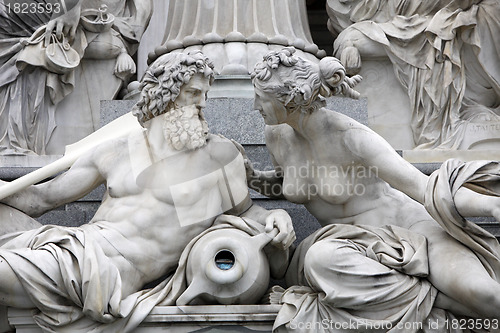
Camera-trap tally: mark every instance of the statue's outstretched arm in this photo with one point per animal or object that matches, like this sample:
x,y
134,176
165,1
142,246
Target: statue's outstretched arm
x,y
377,154
374,152
265,182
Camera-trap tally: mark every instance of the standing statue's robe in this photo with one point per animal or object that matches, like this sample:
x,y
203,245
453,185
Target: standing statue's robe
x,y
42,111
445,54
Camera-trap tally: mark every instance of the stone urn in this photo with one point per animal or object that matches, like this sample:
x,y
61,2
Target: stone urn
x,y
227,266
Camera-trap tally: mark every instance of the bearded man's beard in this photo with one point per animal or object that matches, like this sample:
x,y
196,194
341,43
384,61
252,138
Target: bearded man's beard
x,y
185,127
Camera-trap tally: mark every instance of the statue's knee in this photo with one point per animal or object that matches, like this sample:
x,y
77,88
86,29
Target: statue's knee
x,y
6,276
325,253
6,273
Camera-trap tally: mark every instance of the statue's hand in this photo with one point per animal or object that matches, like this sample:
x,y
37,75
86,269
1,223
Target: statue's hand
x,y
64,25
351,44
346,49
280,220
125,66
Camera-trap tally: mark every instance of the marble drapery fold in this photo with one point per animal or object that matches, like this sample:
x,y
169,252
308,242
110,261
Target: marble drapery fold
x,y
35,102
480,176
445,54
88,296
362,277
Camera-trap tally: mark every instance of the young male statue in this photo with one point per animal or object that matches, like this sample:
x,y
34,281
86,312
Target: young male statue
x,y
165,184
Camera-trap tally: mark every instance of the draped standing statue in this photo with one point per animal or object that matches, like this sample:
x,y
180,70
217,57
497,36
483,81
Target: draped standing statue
x,y
52,79
445,54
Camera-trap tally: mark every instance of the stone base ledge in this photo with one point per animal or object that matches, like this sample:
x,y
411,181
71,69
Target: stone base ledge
x,y
439,156
34,161
180,319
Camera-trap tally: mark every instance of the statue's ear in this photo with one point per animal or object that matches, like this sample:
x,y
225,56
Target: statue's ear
x,y
158,71
336,79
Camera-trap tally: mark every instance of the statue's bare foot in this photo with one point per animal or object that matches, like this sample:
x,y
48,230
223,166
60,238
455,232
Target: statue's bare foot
x,y
273,295
125,66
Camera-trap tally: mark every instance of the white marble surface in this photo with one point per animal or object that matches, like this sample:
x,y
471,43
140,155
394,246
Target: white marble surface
x,y
444,57
348,176
166,183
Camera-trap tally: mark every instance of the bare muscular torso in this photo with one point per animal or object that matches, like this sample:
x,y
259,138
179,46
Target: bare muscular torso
x,y
150,213
330,181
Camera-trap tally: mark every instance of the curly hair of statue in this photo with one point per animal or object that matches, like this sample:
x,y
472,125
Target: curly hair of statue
x,y
162,82
301,84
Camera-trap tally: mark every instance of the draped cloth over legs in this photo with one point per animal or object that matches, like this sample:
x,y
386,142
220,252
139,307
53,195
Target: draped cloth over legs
x,y
361,278
358,278
76,287
480,176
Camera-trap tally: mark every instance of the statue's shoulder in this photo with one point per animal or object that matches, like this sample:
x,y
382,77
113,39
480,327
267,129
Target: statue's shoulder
x,y
217,138
111,151
282,132
221,148
117,144
219,143
336,121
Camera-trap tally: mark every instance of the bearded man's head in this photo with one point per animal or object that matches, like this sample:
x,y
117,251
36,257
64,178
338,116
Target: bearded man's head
x,y
163,80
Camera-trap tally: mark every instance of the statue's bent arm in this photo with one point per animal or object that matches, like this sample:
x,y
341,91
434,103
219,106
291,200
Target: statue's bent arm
x,y
71,185
373,151
268,182
277,251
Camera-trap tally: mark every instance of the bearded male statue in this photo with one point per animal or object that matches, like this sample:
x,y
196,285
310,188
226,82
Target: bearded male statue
x,y
165,184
